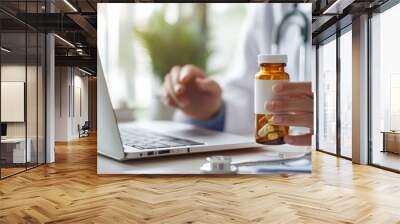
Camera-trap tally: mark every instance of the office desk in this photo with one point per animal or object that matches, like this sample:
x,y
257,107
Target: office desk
x,y
190,163
391,141
16,153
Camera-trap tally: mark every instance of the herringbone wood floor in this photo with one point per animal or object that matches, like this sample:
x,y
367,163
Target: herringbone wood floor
x,y
70,191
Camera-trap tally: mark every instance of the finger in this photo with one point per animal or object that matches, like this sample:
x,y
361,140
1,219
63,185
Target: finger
x,y
175,72
208,85
301,140
190,72
175,77
171,103
290,105
171,92
297,120
167,87
292,88
167,101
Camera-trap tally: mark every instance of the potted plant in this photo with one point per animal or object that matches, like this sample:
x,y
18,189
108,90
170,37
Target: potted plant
x,y
179,43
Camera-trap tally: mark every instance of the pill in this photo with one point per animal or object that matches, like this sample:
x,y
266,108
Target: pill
x,y
273,136
263,131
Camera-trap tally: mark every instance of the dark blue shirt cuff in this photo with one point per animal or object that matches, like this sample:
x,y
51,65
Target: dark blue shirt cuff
x,y
216,123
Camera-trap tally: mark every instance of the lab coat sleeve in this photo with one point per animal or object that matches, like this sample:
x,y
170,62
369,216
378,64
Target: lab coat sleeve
x,y
238,90
238,82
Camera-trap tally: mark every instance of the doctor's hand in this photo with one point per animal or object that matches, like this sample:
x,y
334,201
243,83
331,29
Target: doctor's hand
x,y
294,106
189,89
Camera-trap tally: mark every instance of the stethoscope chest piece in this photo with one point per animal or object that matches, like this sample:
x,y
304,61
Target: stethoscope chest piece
x,y
219,165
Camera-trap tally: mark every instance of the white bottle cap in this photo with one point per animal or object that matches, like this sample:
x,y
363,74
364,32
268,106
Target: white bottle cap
x,y
272,59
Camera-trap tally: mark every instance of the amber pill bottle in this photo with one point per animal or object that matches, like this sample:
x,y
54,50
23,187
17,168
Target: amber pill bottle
x,y
272,71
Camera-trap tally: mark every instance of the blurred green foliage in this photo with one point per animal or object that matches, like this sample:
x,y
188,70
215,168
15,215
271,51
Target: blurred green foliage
x,y
184,42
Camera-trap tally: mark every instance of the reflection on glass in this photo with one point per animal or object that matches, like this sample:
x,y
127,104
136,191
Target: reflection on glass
x,y
13,84
346,94
31,100
32,88
385,86
327,97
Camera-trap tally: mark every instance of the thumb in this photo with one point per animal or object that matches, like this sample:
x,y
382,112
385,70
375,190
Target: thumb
x,y
208,85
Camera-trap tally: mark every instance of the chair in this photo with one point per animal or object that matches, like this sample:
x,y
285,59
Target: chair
x,y
84,130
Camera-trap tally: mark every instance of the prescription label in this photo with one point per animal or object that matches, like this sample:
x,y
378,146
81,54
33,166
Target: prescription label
x,y
263,94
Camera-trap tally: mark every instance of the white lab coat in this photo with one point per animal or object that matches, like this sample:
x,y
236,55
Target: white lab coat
x,y
258,38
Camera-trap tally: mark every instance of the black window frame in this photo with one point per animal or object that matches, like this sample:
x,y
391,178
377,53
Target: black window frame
x,y
333,37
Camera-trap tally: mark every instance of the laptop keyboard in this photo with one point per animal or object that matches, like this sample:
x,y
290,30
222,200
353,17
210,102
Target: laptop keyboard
x,y
144,139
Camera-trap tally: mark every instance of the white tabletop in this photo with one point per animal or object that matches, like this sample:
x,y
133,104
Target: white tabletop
x,y
191,163
13,140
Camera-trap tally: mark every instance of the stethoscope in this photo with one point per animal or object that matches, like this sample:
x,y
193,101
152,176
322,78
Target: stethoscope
x,y
305,31
224,164
285,22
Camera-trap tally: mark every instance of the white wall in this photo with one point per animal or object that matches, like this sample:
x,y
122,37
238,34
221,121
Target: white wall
x,y
62,81
82,83
12,73
70,83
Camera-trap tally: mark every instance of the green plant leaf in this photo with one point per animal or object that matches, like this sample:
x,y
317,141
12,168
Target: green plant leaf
x,y
174,44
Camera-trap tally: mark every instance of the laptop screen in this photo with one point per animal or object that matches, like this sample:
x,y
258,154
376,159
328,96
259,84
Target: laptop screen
x,y
3,129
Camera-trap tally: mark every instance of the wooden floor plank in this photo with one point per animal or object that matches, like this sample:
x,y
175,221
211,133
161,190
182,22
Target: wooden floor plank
x,y
70,191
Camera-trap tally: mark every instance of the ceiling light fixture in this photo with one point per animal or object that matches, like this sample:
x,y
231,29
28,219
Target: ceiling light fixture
x,y
337,7
5,50
65,41
84,71
70,5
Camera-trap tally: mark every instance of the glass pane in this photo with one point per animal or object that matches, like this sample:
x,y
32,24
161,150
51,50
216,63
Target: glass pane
x,y
32,89
31,98
346,94
23,91
385,85
13,87
41,99
327,97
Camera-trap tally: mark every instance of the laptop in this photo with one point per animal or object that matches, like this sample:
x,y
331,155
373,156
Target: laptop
x,y
146,139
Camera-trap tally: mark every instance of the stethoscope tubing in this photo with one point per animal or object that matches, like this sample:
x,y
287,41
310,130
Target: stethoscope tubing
x,y
283,160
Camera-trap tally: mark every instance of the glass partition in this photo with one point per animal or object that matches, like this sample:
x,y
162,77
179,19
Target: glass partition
x,y
22,77
41,97
346,94
327,97
385,89
32,96
14,153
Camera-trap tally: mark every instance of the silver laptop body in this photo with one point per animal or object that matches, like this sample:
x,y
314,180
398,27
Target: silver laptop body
x,y
114,140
